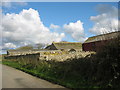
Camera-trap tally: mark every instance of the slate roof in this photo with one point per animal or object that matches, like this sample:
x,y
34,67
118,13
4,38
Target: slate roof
x,y
103,37
22,51
19,50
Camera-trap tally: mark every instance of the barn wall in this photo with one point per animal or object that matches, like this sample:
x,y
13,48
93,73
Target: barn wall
x,y
88,46
94,46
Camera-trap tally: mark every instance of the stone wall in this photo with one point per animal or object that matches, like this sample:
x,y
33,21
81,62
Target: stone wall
x,y
25,59
56,55
64,56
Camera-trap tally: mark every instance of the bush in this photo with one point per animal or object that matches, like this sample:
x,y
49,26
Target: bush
x,y
98,71
108,64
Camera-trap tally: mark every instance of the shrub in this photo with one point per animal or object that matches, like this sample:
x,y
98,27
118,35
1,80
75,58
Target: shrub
x,y
108,64
100,70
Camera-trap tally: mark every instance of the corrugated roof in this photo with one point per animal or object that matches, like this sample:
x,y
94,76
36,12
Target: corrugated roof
x,y
67,45
103,37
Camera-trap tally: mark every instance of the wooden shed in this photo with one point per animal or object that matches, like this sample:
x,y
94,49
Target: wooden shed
x,y
96,42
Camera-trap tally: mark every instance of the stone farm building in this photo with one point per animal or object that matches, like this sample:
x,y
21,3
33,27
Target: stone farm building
x,y
54,47
77,46
94,43
24,52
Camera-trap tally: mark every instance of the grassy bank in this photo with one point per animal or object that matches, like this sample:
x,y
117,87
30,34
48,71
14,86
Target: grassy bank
x,y
52,71
98,71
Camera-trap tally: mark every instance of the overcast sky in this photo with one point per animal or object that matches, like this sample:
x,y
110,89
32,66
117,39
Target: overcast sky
x,y
26,23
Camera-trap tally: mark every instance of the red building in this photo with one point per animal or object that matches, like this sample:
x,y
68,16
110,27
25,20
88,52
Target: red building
x,y
96,42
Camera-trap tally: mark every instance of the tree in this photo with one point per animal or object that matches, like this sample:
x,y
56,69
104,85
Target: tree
x,y
39,46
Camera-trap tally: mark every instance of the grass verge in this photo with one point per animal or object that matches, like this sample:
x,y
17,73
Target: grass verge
x,y
98,71
50,71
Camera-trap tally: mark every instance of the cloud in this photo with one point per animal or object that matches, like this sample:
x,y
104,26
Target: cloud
x,y
26,28
9,3
8,46
22,3
52,26
6,4
106,22
0,28
105,8
76,30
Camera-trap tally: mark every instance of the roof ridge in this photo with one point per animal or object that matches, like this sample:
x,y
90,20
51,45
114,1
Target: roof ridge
x,y
66,42
102,36
105,34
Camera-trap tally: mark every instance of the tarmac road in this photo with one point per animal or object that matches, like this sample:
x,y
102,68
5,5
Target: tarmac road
x,y
13,78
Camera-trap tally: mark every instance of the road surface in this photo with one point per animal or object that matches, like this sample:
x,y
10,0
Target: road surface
x,y
13,78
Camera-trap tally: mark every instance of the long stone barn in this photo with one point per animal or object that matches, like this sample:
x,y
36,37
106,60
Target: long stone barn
x,y
96,42
54,47
77,46
24,52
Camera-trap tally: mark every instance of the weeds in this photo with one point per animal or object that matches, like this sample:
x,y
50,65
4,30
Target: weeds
x,y
98,71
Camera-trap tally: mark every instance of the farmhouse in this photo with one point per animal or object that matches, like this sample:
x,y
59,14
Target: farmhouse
x,y
96,42
72,46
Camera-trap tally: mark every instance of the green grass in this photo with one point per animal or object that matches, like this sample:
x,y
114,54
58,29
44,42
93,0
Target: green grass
x,y
79,73
98,71
51,72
